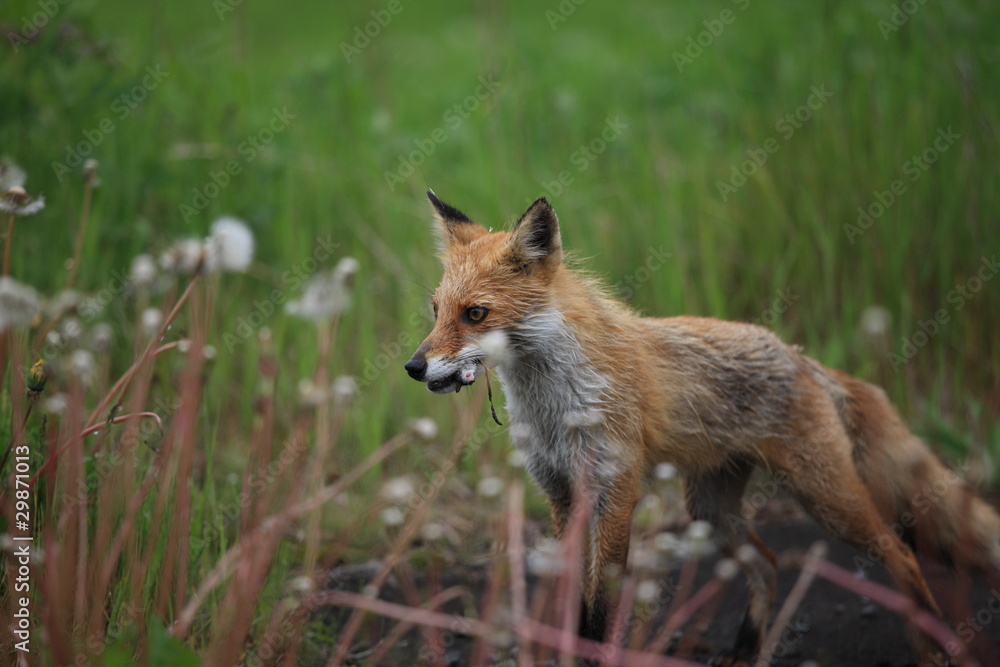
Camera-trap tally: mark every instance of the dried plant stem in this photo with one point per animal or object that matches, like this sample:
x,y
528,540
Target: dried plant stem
x,y
9,241
403,540
515,557
275,523
574,544
816,552
81,231
324,439
931,625
403,627
150,352
529,629
122,418
32,398
684,613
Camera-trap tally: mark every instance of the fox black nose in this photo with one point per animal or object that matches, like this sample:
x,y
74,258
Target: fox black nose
x,y
416,368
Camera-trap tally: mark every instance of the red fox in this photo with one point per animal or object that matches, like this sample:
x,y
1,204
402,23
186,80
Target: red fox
x,y
599,396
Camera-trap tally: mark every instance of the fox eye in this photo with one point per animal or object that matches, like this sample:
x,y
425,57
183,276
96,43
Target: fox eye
x,y
476,314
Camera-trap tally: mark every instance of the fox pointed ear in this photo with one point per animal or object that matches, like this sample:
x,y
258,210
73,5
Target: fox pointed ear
x,y
452,226
535,240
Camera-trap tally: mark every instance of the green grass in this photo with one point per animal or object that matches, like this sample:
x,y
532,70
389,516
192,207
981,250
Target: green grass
x,y
655,185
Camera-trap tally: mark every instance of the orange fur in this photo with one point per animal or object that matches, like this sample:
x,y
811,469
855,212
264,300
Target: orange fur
x,y
599,395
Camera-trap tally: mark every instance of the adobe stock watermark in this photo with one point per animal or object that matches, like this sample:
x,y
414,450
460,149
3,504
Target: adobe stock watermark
x,y
121,108
973,624
926,499
629,284
562,13
35,23
782,301
363,35
913,169
292,279
223,7
957,297
582,157
254,487
452,119
248,150
714,28
389,352
786,126
898,17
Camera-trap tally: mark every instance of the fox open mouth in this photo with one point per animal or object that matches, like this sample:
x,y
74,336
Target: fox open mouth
x,y
454,382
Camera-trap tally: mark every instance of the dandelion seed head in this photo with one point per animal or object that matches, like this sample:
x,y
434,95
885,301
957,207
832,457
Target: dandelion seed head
x,y
302,585
642,558
727,569
143,271
90,172
209,353
183,258
516,458
71,330
651,502
393,516
11,175
326,294
102,337
698,539
665,471
495,345
18,304
490,487
647,591
698,530
432,532
17,201
668,544
343,389
425,429
230,247
310,393
398,491
83,365
545,560
875,322
746,553
66,301
54,339
150,321
57,404
582,418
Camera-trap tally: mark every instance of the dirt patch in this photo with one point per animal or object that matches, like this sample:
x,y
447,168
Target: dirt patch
x,y
832,627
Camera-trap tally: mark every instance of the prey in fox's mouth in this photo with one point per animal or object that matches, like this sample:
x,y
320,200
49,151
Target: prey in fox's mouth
x,y
462,377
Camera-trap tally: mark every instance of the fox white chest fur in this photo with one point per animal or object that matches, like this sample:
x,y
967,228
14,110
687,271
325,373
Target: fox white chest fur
x,y
557,402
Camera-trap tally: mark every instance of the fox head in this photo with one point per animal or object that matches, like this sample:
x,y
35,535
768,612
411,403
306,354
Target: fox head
x,y
491,282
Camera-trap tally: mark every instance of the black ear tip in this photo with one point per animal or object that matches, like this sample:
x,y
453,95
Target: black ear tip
x,y
542,204
446,211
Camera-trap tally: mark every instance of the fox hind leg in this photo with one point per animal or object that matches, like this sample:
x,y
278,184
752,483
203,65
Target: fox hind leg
x,y
715,497
832,491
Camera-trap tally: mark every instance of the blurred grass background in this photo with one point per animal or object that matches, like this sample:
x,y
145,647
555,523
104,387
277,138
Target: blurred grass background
x,y
560,76
562,72
229,66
